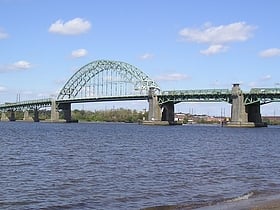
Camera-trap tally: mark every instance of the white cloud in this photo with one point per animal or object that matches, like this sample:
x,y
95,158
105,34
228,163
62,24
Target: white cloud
x,y
270,52
172,77
260,82
72,27
233,32
217,36
79,53
19,65
214,49
146,56
3,35
266,77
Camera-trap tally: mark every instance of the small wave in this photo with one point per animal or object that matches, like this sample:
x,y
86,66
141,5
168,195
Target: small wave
x,y
242,197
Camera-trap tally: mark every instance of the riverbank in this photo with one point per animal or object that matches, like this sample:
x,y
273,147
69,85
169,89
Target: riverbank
x,y
248,202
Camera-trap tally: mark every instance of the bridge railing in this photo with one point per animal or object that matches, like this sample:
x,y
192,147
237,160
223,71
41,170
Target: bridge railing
x,y
197,92
265,91
29,103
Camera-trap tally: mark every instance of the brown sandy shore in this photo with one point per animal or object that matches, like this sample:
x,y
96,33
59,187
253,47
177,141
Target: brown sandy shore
x,y
256,203
271,202
272,205
268,205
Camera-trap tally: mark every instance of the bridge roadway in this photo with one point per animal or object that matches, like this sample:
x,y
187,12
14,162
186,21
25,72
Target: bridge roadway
x,y
262,95
207,95
164,100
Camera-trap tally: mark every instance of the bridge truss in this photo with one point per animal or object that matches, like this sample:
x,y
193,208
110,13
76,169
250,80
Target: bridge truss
x,y
203,95
26,105
105,78
262,96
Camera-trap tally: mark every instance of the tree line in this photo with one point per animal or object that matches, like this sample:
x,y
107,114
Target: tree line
x,y
113,115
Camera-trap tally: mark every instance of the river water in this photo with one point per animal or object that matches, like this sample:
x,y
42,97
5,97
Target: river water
x,y
130,166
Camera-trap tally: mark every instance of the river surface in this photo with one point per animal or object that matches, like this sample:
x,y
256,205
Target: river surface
x,y
130,166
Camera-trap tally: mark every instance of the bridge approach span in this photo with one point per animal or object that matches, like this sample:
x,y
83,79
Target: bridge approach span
x,y
202,95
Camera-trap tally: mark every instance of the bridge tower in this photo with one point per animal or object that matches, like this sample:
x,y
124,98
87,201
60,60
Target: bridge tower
x,y
238,113
243,115
154,107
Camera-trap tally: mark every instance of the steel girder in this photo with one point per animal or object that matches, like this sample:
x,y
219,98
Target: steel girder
x,y
128,72
204,95
262,95
26,105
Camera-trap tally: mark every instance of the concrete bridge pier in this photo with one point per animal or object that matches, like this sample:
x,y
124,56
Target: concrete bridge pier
x,y
238,113
244,115
254,114
4,117
36,115
154,107
168,112
54,112
26,116
66,111
12,116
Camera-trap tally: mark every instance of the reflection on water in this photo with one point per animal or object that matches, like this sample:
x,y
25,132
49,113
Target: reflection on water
x,y
129,166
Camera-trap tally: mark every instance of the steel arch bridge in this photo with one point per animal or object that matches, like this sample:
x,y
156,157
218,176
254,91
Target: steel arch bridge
x,y
106,78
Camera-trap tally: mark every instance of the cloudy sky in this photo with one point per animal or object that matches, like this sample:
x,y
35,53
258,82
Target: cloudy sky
x,y
182,44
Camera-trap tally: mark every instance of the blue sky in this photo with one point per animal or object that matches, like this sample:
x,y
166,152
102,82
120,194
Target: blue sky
x,y
182,44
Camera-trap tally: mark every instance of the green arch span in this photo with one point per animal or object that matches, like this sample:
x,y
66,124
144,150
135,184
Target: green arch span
x,y
90,70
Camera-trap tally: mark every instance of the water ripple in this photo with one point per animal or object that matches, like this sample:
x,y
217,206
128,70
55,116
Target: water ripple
x,y
128,166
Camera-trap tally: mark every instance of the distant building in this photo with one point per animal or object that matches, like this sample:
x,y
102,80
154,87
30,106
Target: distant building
x,y
189,118
271,119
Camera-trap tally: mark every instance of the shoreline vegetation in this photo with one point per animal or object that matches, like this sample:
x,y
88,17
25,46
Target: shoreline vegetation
x,y
134,116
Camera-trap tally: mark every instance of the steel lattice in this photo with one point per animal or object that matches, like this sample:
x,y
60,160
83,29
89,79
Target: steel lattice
x,y
105,78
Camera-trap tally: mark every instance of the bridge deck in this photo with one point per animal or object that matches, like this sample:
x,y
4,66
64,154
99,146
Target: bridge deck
x,y
262,95
27,104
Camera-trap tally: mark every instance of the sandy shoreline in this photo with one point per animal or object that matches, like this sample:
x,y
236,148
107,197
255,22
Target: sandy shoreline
x,y
271,205
268,202
271,202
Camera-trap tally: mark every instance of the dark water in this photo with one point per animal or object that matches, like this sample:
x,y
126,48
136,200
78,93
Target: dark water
x,y
129,166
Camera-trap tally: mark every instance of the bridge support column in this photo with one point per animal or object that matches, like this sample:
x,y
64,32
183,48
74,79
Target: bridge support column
x,y
238,113
26,116
54,112
12,115
4,117
36,115
154,108
168,112
254,114
66,110
242,115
